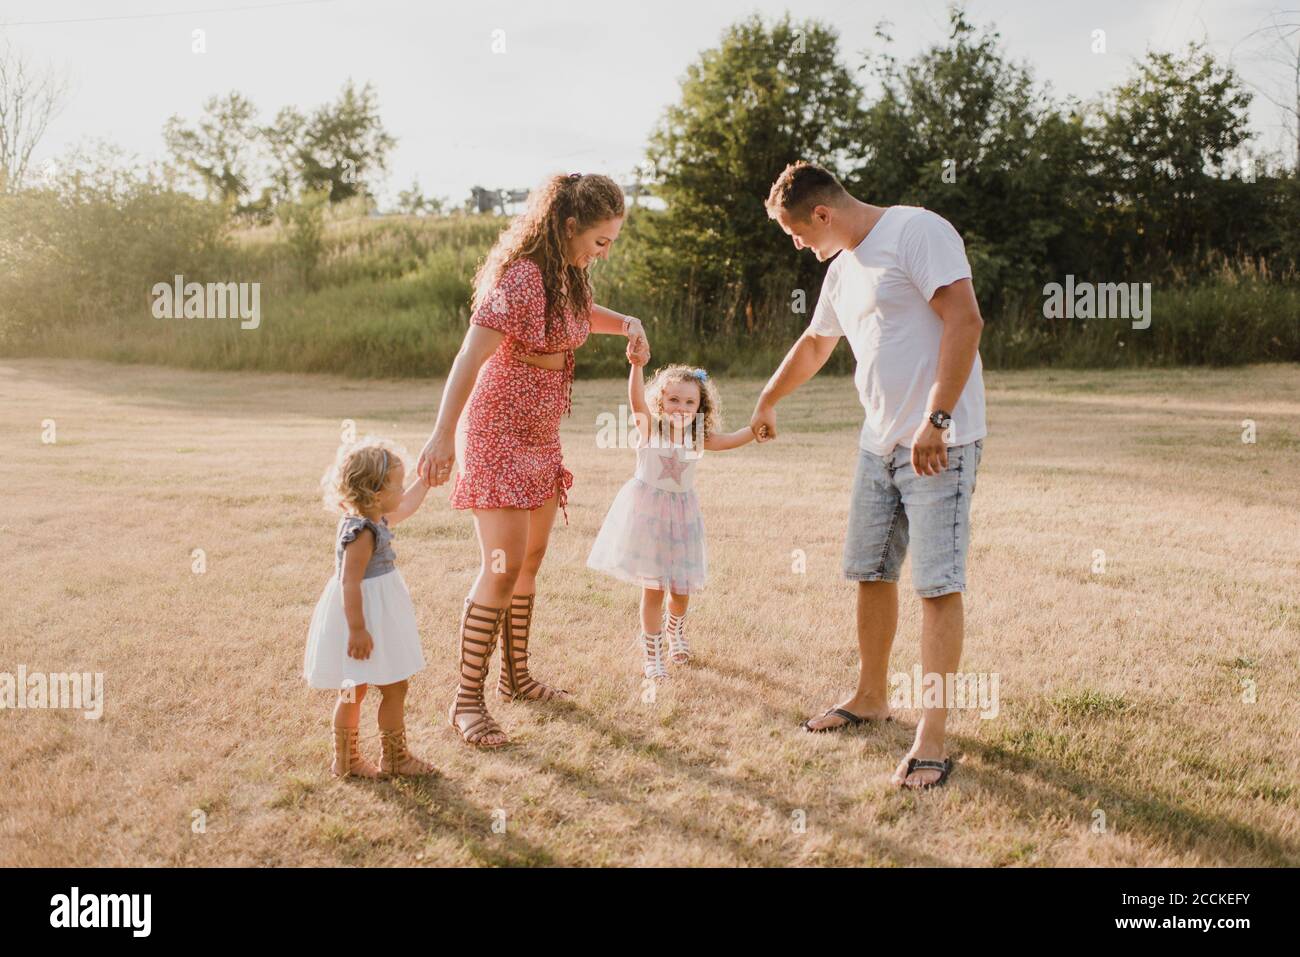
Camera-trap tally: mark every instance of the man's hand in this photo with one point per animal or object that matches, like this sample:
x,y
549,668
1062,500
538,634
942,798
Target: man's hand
x,y
763,421
929,451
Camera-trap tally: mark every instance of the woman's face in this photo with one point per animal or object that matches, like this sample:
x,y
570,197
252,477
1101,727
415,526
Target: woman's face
x,y
583,248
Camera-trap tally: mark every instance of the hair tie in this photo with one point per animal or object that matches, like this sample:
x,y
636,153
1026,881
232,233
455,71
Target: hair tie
x,y
574,177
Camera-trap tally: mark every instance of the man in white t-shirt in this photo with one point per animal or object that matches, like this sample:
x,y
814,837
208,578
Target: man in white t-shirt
x,y
900,291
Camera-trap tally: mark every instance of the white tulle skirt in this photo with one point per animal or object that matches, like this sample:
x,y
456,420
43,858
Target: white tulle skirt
x,y
653,538
390,619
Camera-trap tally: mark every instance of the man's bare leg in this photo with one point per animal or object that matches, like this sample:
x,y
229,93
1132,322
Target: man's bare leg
x,y
942,625
877,623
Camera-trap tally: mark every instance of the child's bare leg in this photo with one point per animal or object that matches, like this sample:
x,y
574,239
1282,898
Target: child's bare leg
x,y
392,733
652,610
392,706
347,708
679,651
348,760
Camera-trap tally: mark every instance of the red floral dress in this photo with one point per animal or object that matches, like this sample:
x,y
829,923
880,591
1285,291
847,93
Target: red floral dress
x,y
512,456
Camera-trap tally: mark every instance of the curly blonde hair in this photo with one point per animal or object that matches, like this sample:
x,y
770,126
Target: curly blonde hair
x,y
353,483
538,234
709,414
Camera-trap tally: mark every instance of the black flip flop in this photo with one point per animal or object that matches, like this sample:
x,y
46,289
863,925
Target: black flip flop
x,y
944,768
850,719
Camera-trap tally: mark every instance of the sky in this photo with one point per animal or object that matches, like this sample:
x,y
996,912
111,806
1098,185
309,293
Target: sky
x,y
569,86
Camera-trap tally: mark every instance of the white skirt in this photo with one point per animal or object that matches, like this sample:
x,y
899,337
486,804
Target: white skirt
x,y
653,538
390,619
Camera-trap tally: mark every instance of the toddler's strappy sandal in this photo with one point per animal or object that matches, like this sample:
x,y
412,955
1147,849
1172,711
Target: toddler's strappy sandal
x,y
944,768
653,648
679,651
478,621
397,760
515,683
348,760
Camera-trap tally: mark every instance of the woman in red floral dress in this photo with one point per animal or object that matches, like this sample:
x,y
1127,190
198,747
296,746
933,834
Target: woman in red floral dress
x,y
532,309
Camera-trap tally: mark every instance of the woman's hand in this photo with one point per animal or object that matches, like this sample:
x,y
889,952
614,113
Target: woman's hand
x,y
437,459
637,343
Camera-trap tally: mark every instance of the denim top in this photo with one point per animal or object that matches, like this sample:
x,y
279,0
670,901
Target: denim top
x,y
382,561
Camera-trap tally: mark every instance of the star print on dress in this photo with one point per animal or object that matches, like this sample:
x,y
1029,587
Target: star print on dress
x,y
673,467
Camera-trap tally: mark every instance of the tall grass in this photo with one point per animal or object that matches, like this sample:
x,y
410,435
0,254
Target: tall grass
x,y
374,297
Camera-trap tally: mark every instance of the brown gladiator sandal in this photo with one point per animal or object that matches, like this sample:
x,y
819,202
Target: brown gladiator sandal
x,y
397,760
479,628
348,760
515,683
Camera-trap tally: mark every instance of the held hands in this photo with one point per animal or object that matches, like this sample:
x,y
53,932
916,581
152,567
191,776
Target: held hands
x,y
638,351
437,459
763,422
638,346
360,644
929,451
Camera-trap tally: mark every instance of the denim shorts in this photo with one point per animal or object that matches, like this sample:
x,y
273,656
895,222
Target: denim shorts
x,y
892,504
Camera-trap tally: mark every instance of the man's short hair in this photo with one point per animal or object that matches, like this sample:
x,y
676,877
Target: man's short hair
x,y
802,186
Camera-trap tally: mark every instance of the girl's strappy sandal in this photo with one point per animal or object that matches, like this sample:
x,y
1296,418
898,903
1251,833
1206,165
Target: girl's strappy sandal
x,y
653,648
397,760
515,683
478,621
679,651
348,760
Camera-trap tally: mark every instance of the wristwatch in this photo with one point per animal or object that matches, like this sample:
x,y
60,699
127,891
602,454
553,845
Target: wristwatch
x,y
940,420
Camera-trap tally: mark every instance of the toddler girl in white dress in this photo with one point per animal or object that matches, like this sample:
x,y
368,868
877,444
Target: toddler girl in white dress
x,y
653,534
363,630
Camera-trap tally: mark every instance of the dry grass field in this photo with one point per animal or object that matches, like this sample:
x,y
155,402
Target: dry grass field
x,y
1161,692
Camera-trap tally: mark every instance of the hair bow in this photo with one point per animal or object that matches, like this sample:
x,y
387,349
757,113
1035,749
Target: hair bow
x,y
701,375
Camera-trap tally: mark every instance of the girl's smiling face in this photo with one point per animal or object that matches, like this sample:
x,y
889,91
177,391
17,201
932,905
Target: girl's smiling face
x,y
680,401
584,248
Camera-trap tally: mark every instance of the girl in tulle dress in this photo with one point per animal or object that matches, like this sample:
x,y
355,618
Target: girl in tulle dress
x,y
653,535
363,630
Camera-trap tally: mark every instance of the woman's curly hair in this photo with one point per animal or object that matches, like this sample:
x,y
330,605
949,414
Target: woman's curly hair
x,y
538,234
354,481
709,414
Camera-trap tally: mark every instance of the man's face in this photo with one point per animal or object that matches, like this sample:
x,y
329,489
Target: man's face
x,y
812,233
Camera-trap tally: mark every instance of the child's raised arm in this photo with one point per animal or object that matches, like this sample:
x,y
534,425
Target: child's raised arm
x,y
729,440
412,498
636,399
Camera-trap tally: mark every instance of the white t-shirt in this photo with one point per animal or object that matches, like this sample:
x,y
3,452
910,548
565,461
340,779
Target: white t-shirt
x,y
878,295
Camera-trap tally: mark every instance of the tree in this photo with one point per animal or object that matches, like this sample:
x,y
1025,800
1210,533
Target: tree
x,y
337,148
413,202
764,97
220,150
1163,137
30,97
964,131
